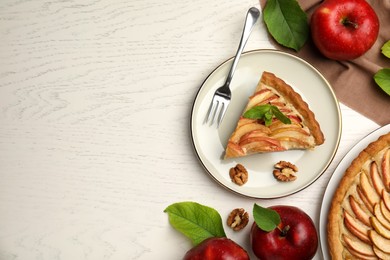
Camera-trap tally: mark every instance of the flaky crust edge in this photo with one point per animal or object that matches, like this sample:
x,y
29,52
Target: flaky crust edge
x,y
335,212
294,98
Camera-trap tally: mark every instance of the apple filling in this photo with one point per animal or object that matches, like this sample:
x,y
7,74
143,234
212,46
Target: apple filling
x,y
254,136
362,218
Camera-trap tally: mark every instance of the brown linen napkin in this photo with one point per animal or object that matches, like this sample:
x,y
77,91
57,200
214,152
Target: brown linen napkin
x,y
353,81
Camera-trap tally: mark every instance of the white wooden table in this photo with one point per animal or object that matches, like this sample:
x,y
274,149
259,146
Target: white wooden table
x,y
95,100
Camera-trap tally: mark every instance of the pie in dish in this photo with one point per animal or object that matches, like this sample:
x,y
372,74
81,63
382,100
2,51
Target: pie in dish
x,y
255,136
359,216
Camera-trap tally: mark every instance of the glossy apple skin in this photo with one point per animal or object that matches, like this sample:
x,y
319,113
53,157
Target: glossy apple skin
x,y
340,40
217,249
300,241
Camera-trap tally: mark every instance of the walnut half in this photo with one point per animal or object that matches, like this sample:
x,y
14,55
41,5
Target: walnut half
x,y
238,219
285,171
238,174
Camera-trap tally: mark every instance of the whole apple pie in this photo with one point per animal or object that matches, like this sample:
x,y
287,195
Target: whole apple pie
x,y
267,133
359,217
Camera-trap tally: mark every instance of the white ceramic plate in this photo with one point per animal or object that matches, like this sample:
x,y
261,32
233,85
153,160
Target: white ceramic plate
x,y
209,142
336,178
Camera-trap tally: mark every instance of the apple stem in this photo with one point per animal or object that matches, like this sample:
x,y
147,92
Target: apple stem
x,y
284,231
348,22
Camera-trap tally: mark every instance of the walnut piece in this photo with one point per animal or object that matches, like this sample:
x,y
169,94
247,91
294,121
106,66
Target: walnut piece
x,y
285,171
238,174
238,219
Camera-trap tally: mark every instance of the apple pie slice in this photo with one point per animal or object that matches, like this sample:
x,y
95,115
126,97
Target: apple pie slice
x,y
273,96
359,215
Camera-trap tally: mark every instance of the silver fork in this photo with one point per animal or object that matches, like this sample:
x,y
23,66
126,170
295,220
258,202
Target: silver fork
x,y
222,95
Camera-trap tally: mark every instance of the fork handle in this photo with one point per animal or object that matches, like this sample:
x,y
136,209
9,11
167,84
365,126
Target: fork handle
x,y
251,18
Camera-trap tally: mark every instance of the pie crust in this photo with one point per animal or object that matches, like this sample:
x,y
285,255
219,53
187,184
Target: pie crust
x,y
252,136
359,216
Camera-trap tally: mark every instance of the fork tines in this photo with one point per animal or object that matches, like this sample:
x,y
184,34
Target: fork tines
x,y
217,109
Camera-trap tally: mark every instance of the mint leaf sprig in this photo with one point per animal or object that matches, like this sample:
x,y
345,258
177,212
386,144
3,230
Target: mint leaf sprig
x,y
266,112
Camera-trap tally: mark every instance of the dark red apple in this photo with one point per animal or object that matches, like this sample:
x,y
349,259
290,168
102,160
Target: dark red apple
x,y
295,238
344,29
214,248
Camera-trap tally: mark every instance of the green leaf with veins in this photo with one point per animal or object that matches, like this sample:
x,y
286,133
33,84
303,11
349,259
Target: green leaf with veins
x,y
386,49
266,112
382,79
195,221
257,112
266,219
287,23
279,115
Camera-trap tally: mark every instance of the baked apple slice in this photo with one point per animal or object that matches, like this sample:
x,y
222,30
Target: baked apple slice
x,y
281,115
359,216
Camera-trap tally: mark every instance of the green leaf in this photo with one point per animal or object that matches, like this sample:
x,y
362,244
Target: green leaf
x,y
266,112
268,117
257,112
382,79
279,115
386,49
195,221
265,218
287,23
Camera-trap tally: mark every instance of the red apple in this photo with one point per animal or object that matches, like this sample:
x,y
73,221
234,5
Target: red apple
x,y
214,248
344,29
295,238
